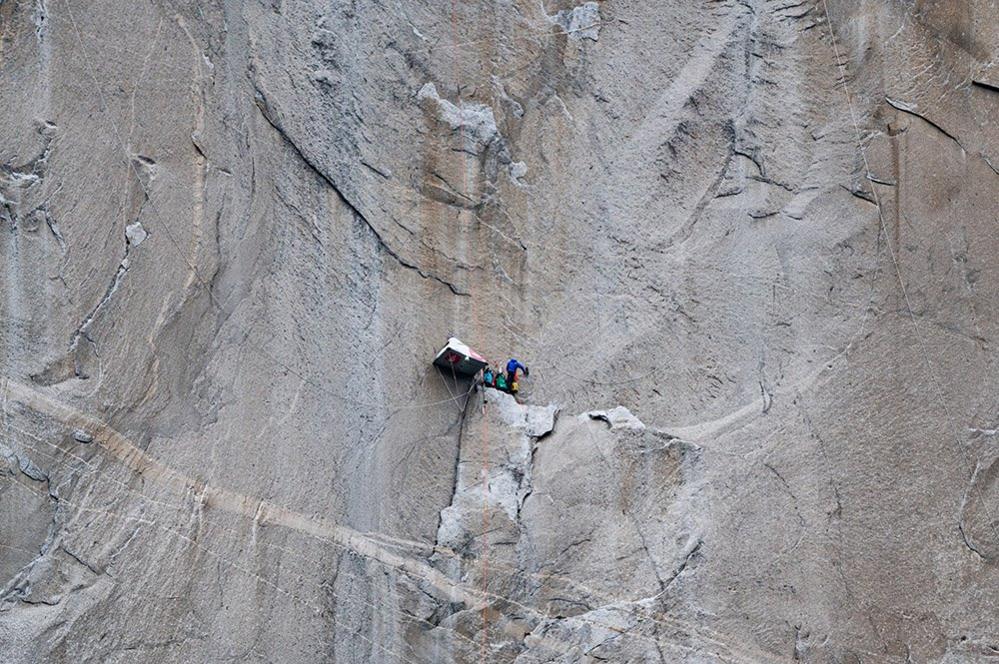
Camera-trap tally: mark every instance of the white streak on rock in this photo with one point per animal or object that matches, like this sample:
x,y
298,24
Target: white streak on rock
x,y
582,22
477,119
618,418
135,234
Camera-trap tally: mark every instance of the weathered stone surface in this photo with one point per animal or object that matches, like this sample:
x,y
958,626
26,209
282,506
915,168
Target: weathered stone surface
x,y
618,417
745,246
81,436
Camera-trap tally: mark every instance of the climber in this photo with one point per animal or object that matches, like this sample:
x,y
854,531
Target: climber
x,y
511,371
500,383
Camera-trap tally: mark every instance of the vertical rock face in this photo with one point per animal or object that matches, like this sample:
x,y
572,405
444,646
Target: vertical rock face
x,y
574,534
745,247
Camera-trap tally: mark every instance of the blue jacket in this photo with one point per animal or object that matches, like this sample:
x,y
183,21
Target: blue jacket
x,y
513,365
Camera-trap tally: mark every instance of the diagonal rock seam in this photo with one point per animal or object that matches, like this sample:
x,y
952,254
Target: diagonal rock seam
x,y
268,114
134,234
911,110
262,512
985,85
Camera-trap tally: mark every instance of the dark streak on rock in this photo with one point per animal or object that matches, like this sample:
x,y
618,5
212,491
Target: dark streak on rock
x,y
80,560
862,195
967,542
375,170
985,86
683,564
265,110
900,106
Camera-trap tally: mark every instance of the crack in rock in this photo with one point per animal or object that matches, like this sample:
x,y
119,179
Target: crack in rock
x,y
911,110
271,117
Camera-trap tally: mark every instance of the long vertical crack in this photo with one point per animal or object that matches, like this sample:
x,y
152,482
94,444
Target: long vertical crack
x,y
457,463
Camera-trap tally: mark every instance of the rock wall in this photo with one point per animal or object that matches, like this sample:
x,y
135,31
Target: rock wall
x,y
745,247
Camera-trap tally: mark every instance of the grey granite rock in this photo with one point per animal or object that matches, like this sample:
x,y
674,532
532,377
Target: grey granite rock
x,y
745,246
81,436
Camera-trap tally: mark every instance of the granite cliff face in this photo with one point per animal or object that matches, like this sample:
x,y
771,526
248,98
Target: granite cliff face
x,y
746,247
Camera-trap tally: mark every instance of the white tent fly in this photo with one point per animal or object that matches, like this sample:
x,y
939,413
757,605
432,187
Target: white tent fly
x,y
459,358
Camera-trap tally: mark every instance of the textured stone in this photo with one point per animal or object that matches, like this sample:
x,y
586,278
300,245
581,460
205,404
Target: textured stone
x,y
582,22
754,239
135,233
82,436
617,418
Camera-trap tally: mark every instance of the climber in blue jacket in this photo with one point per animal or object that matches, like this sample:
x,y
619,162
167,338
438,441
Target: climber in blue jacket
x,y
511,371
